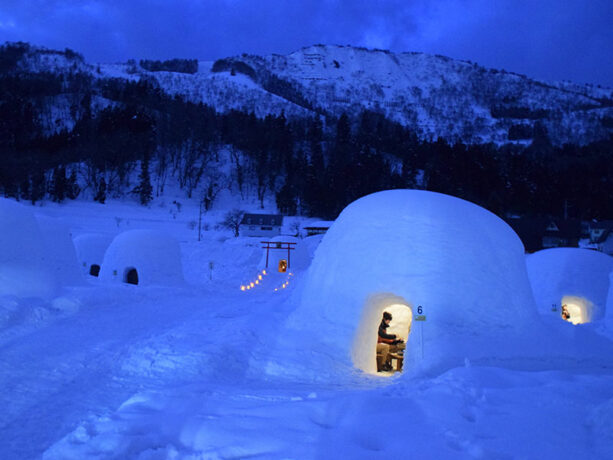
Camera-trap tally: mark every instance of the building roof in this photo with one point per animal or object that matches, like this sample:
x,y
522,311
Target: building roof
x,y
270,220
319,224
531,230
604,236
602,225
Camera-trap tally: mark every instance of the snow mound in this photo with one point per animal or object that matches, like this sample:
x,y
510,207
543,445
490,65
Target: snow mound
x,y
424,255
143,257
25,269
570,276
609,312
60,251
90,249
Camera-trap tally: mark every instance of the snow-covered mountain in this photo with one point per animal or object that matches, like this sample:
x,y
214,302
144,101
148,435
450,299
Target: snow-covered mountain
x,y
434,95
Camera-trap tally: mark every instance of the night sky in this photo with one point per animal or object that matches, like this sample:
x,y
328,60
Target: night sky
x,y
545,39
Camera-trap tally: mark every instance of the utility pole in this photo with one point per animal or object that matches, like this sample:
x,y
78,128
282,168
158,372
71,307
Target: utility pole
x,y
200,219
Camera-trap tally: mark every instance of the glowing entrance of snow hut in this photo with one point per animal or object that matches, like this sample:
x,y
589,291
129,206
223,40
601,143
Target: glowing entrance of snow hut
x,y
364,351
576,310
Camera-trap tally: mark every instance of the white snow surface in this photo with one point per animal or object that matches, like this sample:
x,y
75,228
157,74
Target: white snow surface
x,y
90,248
561,273
109,371
25,268
463,265
156,256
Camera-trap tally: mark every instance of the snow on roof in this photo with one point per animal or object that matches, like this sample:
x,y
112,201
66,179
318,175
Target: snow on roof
x,y
559,272
319,224
156,257
462,264
24,265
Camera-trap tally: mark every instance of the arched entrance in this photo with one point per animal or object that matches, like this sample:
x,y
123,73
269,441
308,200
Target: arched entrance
x,y
130,276
576,310
364,352
94,270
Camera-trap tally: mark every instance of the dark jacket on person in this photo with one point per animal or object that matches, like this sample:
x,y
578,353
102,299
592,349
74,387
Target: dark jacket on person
x,y
384,337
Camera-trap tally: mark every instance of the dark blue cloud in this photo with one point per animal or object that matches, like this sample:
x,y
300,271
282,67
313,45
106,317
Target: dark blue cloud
x,y
544,39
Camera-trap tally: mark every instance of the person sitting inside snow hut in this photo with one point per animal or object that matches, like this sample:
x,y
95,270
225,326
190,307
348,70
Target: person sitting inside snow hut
x,y
387,344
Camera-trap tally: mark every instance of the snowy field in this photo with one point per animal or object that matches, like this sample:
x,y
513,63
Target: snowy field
x,y
193,370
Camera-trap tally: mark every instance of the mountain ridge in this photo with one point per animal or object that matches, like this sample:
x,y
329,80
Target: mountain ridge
x,y
434,95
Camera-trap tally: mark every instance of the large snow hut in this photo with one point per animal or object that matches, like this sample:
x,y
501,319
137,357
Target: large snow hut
x,y
143,257
577,279
453,273
25,269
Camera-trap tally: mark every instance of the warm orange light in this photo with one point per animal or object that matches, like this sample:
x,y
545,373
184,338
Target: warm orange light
x,y
251,284
259,277
242,288
264,272
257,281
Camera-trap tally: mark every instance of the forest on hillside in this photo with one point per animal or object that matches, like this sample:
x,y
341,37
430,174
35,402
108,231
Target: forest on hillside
x,y
312,166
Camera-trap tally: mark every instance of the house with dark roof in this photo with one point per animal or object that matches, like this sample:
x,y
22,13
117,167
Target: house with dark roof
x,y
601,235
542,232
318,228
562,233
261,225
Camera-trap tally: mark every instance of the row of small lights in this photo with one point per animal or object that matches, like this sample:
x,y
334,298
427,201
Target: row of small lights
x,y
254,283
259,278
284,285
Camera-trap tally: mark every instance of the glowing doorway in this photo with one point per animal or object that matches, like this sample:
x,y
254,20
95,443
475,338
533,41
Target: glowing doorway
x,y
576,310
364,351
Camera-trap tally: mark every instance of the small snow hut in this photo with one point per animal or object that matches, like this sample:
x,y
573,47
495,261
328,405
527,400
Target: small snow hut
x,y
143,257
447,265
90,249
575,278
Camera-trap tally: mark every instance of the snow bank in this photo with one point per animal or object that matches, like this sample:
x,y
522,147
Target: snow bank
x,y
570,276
25,270
609,312
456,265
90,249
154,255
60,251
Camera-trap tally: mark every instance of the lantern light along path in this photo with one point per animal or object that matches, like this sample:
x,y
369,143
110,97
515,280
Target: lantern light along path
x,y
259,281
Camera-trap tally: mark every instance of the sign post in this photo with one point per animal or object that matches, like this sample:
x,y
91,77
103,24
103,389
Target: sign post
x,y
421,317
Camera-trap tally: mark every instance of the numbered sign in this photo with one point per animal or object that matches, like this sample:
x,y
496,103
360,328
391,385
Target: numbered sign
x,y
554,307
420,314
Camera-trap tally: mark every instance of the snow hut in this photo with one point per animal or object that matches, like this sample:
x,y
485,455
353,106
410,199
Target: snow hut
x,y
143,257
575,278
24,266
609,312
60,255
90,249
452,274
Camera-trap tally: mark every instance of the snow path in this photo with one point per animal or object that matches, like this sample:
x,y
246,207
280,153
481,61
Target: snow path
x,y
121,343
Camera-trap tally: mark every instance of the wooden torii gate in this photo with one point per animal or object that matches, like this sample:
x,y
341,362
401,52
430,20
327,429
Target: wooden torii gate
x,y
278,245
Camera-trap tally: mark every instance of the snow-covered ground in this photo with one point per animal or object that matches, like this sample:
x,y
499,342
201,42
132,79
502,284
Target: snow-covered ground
x,y
161,372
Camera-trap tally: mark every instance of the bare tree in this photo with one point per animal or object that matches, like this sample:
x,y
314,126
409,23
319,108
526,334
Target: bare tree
x,y
233,219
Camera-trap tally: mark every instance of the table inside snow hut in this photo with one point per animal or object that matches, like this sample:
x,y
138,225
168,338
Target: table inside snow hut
x,y
399,360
